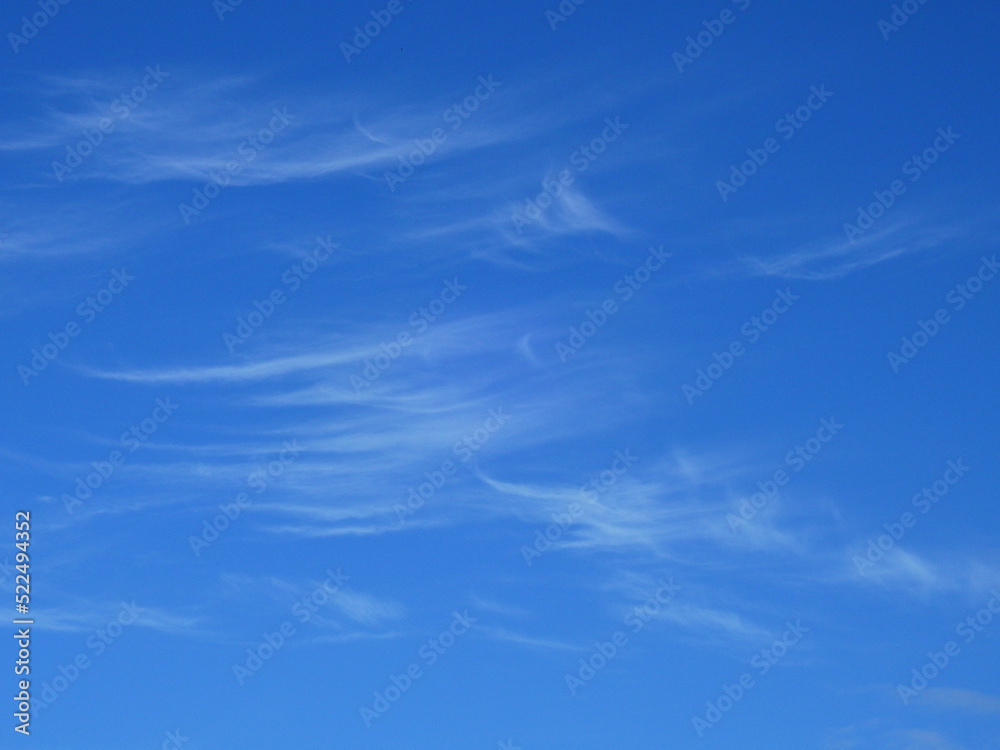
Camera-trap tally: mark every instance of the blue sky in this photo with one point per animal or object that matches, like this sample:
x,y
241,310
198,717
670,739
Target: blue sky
x,y
528,376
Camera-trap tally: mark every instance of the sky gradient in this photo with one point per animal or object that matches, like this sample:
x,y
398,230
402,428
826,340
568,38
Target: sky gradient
x,y
529,376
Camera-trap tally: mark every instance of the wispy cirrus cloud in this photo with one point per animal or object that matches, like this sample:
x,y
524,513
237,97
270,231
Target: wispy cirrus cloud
x,y
86,617
832,258
876,734
958,699
503,635
191,125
